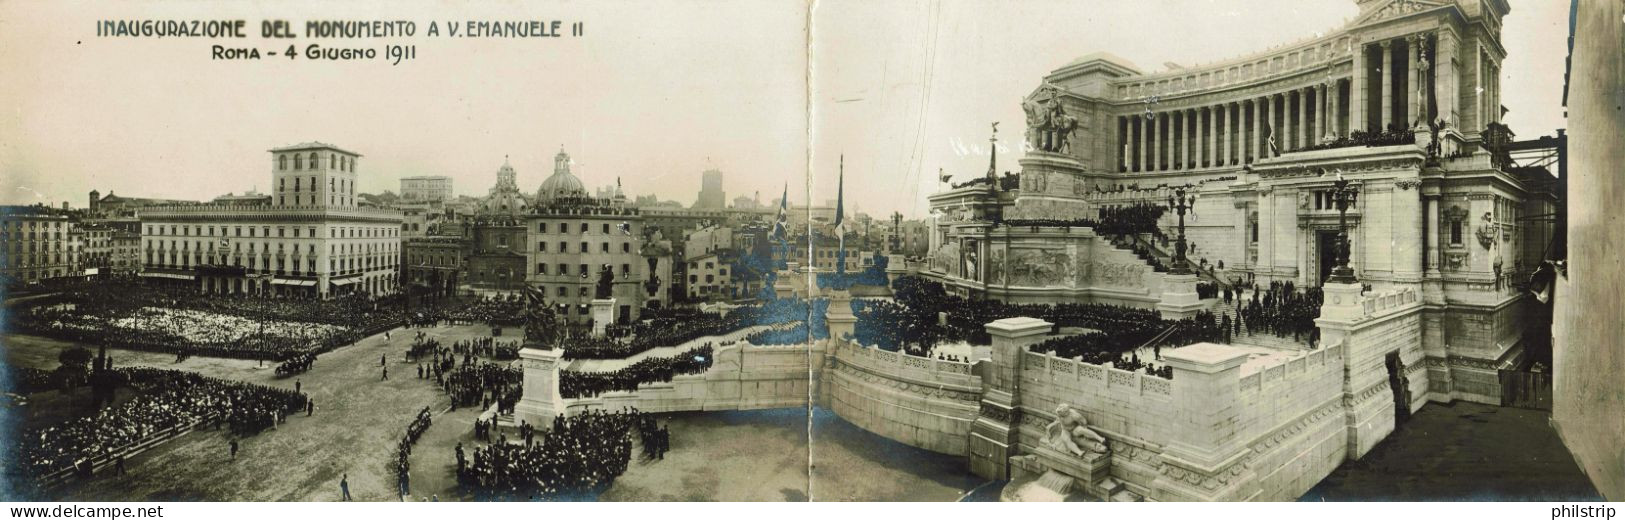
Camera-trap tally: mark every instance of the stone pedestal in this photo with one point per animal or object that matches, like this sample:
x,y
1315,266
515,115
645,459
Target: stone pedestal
x,y
540,401
603,314
1342,302
839,315
1206,435
1179,299
995,436
784,284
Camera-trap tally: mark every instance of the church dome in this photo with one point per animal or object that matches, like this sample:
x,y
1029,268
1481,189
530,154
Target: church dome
x,y
562,184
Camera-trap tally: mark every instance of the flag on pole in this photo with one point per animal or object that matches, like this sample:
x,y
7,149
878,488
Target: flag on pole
x,y
781,225
840,217
1274,151
943,175
840,200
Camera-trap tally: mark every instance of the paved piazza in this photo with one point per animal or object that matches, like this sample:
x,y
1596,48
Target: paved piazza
x,y
1464,451
359,418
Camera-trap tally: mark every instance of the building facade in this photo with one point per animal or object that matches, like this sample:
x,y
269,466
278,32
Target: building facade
x,y
572,236
711,194
38,244
311,240
1403,101
425,188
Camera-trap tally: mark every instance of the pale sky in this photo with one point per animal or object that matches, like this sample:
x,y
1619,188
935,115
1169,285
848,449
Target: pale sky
x,y
655,93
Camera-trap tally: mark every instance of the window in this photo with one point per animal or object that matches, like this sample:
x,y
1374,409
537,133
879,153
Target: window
x,y
541,268
541,228
1455,232
541,247
313,160
604,247
626,247
584,270
626,269
583,227
298,162
582,292
564,247
281,162
606,229
585,247
564,228
561,292
693,278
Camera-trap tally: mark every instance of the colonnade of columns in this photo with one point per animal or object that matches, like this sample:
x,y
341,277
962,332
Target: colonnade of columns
x,y
1233,133
1392,89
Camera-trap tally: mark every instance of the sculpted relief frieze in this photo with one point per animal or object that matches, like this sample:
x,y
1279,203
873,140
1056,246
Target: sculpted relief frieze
x,y
1110,274
1040,268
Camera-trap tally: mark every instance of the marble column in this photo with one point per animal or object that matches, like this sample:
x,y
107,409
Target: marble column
x,y
1256,143
1201,139
1272,132
1413,49
1320,112
1432,225
1287,115
1185,139
1122,142
1156,141
1224,135
1145,135
1304,108
1240,133
1172,141
1387,84
1357,91
1211,158
1335,99
1448,74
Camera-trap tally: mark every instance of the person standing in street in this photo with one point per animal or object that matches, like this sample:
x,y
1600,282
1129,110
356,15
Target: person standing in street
x,y
344,486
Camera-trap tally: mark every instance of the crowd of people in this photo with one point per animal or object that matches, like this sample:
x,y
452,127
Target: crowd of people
x,y
674,327
574,384
924,315
576,459
1283,310
298,364
403,451
484,384
129,314
163,399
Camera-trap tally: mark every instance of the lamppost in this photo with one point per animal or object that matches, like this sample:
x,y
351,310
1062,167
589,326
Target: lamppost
x,y
1181,203
1343,195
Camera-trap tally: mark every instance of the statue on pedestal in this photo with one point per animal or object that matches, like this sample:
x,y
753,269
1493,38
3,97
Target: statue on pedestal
x,y
541,324
1070,433
1049,127
606,283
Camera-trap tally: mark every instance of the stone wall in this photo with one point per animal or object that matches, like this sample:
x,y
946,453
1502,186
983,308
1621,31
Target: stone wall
x,y
1280,430
742,377
917,401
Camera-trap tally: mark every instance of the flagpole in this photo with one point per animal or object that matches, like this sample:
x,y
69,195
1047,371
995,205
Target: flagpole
x,y
840,218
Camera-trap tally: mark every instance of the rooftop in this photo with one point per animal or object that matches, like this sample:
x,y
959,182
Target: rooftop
x,y
312,145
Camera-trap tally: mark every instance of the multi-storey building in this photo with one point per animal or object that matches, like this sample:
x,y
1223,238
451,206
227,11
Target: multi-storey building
x,y
711,194
37,244
425,188
310,239
1404,102
708,278
572,236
